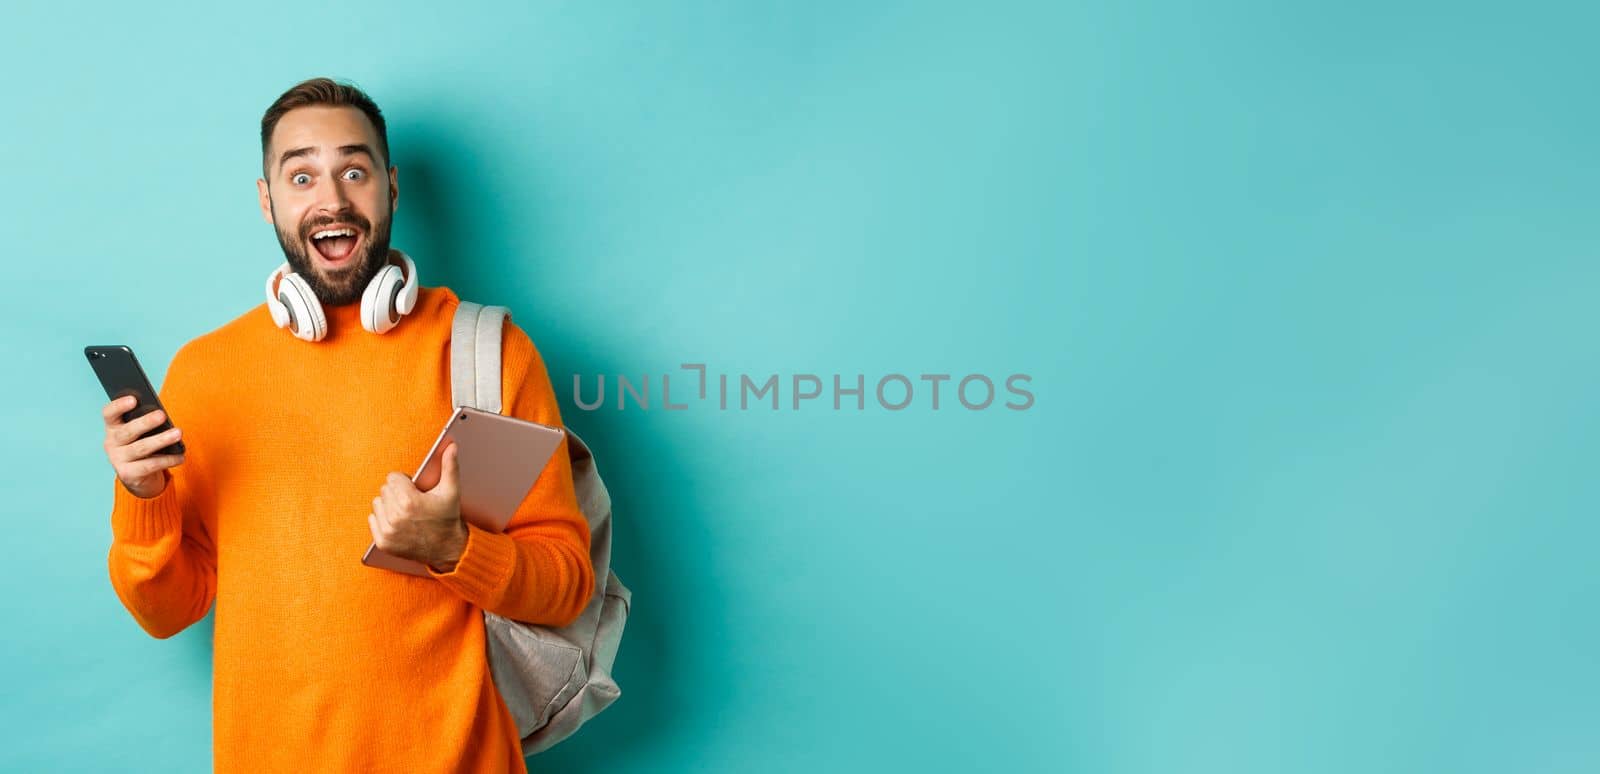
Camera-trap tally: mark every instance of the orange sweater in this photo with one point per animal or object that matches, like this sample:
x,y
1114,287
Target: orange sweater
x,y
320,662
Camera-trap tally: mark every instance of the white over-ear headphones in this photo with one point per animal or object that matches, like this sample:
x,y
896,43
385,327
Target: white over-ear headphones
x,y
390,295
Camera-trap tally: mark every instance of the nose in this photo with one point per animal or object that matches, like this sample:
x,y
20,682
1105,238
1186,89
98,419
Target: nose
x,y
331,195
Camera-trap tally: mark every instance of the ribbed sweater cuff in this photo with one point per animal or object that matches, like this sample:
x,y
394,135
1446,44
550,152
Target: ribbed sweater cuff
x,y
484,568
137,519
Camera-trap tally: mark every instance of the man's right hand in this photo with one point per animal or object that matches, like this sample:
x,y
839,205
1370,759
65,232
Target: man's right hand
x,y
138,467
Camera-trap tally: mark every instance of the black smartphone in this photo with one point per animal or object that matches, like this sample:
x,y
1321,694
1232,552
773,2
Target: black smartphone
x,y
121,375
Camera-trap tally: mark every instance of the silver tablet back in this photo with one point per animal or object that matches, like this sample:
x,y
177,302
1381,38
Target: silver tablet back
x,y
499,459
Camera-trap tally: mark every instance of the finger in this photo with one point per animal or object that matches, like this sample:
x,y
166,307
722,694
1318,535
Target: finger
x,y
389,512
129,431
401,507
377,534
113,411
148,446
394,499
147,466
379,518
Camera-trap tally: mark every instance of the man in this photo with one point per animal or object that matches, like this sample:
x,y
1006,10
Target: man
x,y
294,456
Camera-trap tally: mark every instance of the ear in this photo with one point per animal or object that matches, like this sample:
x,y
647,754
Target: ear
x,y
265,197
394,189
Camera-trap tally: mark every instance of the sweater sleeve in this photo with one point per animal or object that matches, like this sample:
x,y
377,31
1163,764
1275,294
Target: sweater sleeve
x,y
538,570
162,561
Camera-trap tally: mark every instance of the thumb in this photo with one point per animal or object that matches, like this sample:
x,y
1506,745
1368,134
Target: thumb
x,y
449,472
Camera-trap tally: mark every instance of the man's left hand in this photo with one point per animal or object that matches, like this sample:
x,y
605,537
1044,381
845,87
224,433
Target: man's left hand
x,y
423,526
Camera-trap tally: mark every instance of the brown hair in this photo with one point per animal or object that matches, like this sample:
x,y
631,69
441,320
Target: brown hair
x,y
322,91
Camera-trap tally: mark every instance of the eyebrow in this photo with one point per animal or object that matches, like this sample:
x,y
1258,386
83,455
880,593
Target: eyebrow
x,y
344,150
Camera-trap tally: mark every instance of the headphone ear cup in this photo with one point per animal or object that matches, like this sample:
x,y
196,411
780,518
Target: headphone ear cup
x,y
304,311
276,308
378,313
406,300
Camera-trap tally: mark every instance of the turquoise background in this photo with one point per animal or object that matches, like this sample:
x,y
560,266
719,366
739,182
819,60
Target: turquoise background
x,y
1306,292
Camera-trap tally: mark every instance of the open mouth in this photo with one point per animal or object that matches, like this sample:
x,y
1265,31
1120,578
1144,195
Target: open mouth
x,y
336,244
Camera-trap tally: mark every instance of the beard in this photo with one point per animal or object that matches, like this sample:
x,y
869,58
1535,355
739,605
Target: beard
x,y
345,284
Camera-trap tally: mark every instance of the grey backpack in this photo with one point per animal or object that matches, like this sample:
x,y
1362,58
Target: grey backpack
x,y
553,680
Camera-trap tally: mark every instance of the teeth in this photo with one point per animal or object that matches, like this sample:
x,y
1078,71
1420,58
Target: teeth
x,y
333,232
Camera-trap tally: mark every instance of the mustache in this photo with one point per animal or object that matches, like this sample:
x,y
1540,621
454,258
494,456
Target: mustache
x,y
351,219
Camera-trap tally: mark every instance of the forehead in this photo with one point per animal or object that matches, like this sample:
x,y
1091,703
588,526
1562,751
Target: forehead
x,y
324,127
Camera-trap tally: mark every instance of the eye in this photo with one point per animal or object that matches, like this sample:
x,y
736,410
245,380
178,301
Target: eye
x,y
296,178
359,173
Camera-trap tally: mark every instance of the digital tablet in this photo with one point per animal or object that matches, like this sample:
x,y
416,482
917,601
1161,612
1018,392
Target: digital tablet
x,y
498,457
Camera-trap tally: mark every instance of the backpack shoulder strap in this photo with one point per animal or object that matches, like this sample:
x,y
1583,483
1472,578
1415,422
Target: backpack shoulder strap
x,y
475,336
552,680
